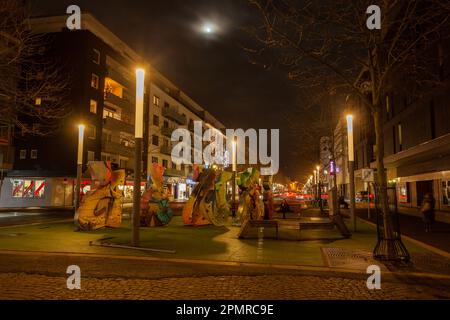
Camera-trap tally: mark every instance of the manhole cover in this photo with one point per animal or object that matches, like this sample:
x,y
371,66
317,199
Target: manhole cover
x,y
348,258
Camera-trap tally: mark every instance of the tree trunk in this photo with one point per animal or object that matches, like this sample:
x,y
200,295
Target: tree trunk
x,y
382,178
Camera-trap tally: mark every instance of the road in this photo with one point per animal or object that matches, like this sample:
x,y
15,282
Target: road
x,y
13,218
43,276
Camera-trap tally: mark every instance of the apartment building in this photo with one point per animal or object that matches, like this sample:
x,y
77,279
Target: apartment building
x,y
101,69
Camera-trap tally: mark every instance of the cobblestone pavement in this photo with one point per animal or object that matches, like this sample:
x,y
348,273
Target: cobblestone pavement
x,y
26,286
43,277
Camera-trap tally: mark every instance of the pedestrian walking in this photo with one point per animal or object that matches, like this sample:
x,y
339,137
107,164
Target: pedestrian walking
x,y
284,208
427,210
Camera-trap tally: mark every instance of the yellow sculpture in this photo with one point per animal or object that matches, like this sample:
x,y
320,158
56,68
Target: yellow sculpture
x,y
102,207
208,204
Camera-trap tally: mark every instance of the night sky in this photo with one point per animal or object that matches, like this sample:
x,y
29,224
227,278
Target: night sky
x,y
212,69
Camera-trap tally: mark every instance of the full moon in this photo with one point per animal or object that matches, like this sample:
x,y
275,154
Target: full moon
x,y
208,28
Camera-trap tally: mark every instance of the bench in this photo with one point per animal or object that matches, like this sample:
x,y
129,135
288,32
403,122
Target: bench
x,y
256,224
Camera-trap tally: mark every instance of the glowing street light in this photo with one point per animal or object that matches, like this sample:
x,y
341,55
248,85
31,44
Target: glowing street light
x,y
351,168
234,168
138,135
81,128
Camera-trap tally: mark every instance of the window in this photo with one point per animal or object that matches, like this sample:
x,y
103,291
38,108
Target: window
x,y
166,124
155,120
166,105
93,106
91,132
106,136
156,101
174,165
154,160
96,56
446,193
394,141
404,192
106,157
34,154
400,137
155,140
94,81
91,156
165,163
23,154
109,112
38,101
28,188
123,163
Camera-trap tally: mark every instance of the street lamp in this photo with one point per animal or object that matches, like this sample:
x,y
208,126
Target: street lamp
x,y
351,169
234,167
138,135
81,128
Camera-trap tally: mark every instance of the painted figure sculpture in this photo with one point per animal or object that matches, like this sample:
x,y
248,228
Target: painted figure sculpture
x,y
250,205
102,207
155,209
208,203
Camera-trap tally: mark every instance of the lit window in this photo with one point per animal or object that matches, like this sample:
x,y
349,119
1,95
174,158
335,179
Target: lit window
x,y
91,156
38,101
113,87
156,100
95,81
34,154
93,106
23,154
96,57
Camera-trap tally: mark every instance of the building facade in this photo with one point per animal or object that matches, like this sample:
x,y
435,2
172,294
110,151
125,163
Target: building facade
x,y
101,69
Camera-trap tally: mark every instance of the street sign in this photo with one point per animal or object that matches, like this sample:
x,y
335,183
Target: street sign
x,y
368,175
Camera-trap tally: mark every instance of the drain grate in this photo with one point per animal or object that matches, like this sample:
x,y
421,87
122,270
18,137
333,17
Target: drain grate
x,y
348,258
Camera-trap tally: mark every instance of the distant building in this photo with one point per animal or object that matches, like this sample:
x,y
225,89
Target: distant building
x,y
101,69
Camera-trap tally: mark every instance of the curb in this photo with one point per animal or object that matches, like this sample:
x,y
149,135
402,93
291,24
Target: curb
x,y
317,269
417,242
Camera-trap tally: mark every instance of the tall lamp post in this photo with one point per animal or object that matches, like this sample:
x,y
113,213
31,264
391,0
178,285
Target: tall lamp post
x,y
351,169
319,190
138,135
233,188
79,166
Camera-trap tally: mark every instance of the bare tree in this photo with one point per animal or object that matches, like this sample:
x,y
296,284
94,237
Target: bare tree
x,y
33,85
326,47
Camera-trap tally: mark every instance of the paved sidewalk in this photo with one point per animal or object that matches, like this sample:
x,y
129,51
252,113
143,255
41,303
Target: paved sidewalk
x,y
413,227
43,276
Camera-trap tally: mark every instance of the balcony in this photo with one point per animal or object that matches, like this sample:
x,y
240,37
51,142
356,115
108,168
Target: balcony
x,y
174,173
117,101
166,149
174,115
167,131
118,77
117,148
117,125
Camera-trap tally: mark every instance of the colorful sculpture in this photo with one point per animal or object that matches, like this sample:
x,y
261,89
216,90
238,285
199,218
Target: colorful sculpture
x,y
155,209
268,199
102,207
208,204
250,204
